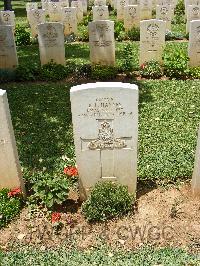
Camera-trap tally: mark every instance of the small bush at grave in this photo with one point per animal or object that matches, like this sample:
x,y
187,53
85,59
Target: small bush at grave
x,y
87,19
194,72
119,31
127,64
10,206
22,36
27,72
100,72
53,72
50,190
107,200
151,69
83,34
84,70
134,34
175,64
170,36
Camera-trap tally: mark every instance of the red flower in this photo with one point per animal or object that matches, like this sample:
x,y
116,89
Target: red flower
x,y
71,171
142,66
14,192
55,217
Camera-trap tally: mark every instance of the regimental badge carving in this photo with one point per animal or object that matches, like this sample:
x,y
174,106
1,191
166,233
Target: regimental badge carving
x,y
132,12
37,14
6,17
100,11
163,10
106,139
100,31
195,11
152,30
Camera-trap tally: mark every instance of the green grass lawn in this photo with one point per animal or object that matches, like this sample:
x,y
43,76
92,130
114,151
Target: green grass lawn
x,y
102,256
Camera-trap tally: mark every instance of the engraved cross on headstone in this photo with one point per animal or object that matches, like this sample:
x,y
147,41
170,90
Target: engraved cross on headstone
x,y
107,144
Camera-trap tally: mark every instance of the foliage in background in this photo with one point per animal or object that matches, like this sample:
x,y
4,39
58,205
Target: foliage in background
x,y
100,72
22,36
107,200
119,30
195,72
151,70
86,19
127,62
53,72
49,190
83,34
171,36
101,256
134,34
9,207
27,72
176,63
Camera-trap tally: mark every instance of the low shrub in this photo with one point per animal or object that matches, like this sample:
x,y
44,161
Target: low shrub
x,y
194,72
176,63
49,190
22,36
151,69
83,34
100,72
134,34
27,72
107,200
127,63
53,72
10,206
87,19
170,36
119,30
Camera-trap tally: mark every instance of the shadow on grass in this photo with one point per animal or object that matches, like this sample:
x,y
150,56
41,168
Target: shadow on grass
x,y
77,51
41,118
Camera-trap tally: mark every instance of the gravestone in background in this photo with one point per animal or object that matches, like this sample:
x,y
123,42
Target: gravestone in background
x,y
194,43
131,17
145,9
35,16
196,171
10,170
164,12
69,20
193,13
99,2
102,42
51,43
7,18
120,9
100,13
105,128
79,9
152,40
8,52
54,9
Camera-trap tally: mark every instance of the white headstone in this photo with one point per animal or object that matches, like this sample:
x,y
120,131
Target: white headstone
x,y
100,13
196,171
64,3
120,9
85,6
193,13
7,18
102,42
131,17
31,5
164,12
45,5
194,43
79,8
145,9
69,20
35,16
105,128
51,43
10,170
152,40
54,9
99,2
8,53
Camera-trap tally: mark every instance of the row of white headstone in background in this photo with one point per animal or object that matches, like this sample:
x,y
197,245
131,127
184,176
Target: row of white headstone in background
x,y
105,130
101,41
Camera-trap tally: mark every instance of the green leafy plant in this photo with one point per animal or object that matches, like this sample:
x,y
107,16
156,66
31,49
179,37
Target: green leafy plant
x,y
127,63
50,190
9,206
87,19
107,200
53,72
194,72
22,36
27,72
176,63
151,69
119,30
170,36
100,72
83,34
134,34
